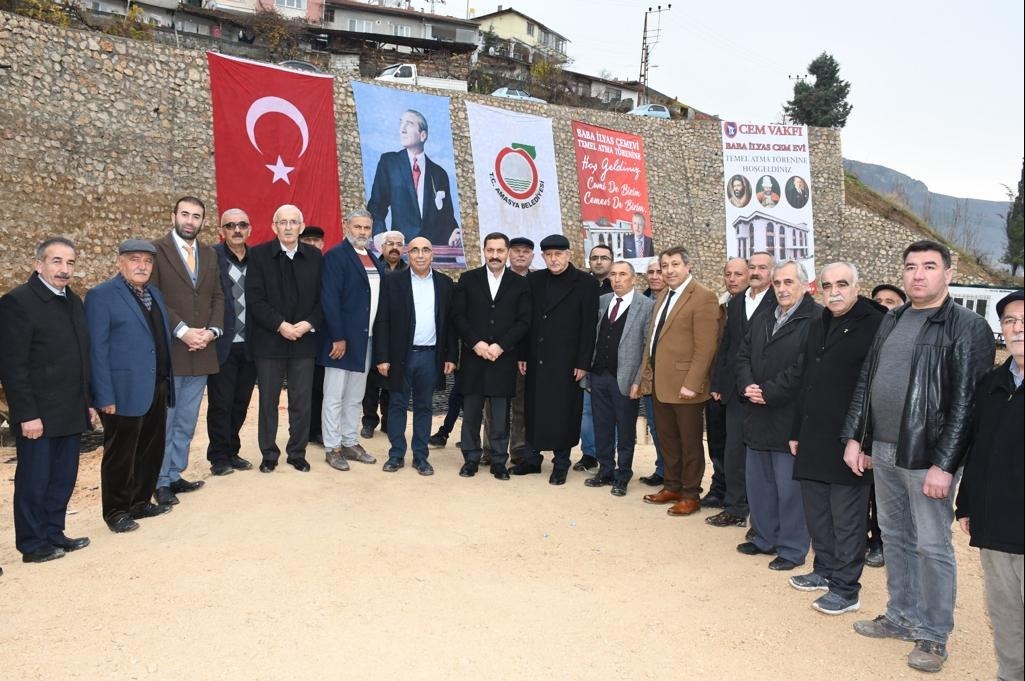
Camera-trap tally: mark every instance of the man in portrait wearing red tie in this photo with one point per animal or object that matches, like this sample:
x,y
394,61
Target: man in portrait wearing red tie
x,y
413,187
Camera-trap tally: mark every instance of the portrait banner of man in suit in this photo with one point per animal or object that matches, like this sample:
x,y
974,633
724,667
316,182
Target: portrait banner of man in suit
x,y
409,170
614,193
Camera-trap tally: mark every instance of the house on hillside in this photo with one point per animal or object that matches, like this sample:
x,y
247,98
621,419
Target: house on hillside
x,y
521,37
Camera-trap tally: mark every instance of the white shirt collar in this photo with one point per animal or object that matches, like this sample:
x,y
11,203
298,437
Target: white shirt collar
x,y
56,291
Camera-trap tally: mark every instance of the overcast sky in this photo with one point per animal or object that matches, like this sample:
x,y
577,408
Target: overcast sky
x,y
937,87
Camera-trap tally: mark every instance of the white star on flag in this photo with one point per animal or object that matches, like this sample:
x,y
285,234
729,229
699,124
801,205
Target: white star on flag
x,y
280,171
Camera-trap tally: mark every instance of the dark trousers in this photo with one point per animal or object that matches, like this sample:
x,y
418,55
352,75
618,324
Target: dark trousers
x,y
418,383
498,428
228,394
455,405
133,449
875,535
375,398
680,427
614,416
43,482
317,404
269,375
735,461
836,517
560,460
649,417
776,506
715,434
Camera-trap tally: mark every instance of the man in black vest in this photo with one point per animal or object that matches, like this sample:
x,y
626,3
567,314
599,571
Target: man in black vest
x,y
45,372
491,314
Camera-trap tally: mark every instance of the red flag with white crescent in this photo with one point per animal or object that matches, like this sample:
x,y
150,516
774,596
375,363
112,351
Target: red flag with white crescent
x,y
274,143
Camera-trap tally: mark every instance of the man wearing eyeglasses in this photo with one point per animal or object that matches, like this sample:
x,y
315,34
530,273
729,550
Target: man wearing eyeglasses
x,y
186,273
230,390
283,297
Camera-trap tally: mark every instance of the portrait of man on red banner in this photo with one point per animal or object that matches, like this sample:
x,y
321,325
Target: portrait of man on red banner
x,y
274,143
614,192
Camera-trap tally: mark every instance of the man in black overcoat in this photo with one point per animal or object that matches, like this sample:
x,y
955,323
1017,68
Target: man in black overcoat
x,y
835,500
44,368
564,303
491,314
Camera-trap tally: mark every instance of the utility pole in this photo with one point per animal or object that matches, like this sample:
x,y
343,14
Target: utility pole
x,y
648,40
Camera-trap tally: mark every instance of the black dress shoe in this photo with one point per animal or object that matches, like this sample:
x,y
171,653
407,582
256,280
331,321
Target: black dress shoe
x,y
725,519
749,548
392,465
366,432
468,470
437,440
165,496
301,465
69,544
500,471
557,477
712,501
265,467
783,564
221,468
653,480
525,469
240,464
586,463
182,485
47,553
598,481
619,489
123,523
148,510
424,468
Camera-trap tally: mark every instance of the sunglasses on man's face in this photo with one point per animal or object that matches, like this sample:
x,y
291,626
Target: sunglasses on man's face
x,y
235,226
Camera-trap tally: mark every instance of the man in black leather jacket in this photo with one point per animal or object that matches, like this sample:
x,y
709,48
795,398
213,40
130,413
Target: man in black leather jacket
x,y
913,406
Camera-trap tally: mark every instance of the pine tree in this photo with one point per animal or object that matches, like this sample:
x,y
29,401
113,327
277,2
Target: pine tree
x,y
1015,254
824,102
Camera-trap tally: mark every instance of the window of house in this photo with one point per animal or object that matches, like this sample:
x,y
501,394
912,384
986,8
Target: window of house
x,y
530,28
329,15
358,25
401,31
291,4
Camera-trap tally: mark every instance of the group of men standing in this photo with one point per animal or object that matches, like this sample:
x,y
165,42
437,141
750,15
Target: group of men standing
x,y
813,400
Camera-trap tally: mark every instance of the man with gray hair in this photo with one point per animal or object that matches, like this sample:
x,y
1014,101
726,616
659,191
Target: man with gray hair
x,y
835,500
350,289
283,297
769,367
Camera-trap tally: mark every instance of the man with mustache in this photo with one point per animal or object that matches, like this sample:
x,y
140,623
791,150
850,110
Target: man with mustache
x,y
186,272
910,422
655,286
991,496
491,315
350,289
759,298
390,245
835,500
131,384
44,369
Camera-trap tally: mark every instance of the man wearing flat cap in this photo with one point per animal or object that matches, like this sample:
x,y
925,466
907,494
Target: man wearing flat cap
x,y
131,384
889,296
564,301
991,495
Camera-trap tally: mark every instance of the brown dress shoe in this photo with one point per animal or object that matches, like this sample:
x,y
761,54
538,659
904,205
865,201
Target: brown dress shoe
x,y
663,497
684,507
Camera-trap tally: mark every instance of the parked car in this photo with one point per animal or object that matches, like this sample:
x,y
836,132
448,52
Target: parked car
x,y
513,93
652,110
407,75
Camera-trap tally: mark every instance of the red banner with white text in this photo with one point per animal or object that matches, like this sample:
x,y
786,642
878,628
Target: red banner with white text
x,y
274,143
614,193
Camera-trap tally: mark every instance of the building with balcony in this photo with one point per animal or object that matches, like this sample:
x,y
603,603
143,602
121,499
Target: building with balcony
x,y
761,232
522,37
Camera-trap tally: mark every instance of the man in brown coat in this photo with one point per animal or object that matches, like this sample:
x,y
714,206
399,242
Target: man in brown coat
x,y
186,272
678,356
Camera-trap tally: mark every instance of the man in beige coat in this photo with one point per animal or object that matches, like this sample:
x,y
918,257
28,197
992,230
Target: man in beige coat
x,y
186,273
681,345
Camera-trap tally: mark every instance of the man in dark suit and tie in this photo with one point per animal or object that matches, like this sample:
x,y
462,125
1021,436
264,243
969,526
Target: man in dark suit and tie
x,y
759,298
414,349
491,314
637,244
44,368
283,296
131,383
413,187
623,320
187,274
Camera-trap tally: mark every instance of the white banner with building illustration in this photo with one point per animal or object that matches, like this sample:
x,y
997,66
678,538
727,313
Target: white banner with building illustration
x,y
767,182
514,171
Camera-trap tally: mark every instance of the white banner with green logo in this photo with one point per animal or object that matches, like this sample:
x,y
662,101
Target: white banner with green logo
x,y
514,170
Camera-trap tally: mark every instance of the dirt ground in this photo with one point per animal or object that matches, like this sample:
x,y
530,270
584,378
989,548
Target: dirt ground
x,y
367,575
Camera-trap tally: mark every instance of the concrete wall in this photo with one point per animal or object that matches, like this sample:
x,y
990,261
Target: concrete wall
x,y
99,135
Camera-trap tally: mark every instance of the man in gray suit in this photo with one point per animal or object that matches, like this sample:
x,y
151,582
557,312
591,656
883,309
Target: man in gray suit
x,y
623,320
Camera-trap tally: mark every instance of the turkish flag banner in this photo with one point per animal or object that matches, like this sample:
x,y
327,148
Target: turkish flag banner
x,y
274,143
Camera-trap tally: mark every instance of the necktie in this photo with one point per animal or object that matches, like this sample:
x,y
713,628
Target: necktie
x,y
190,258
615,311
658,327
416,174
